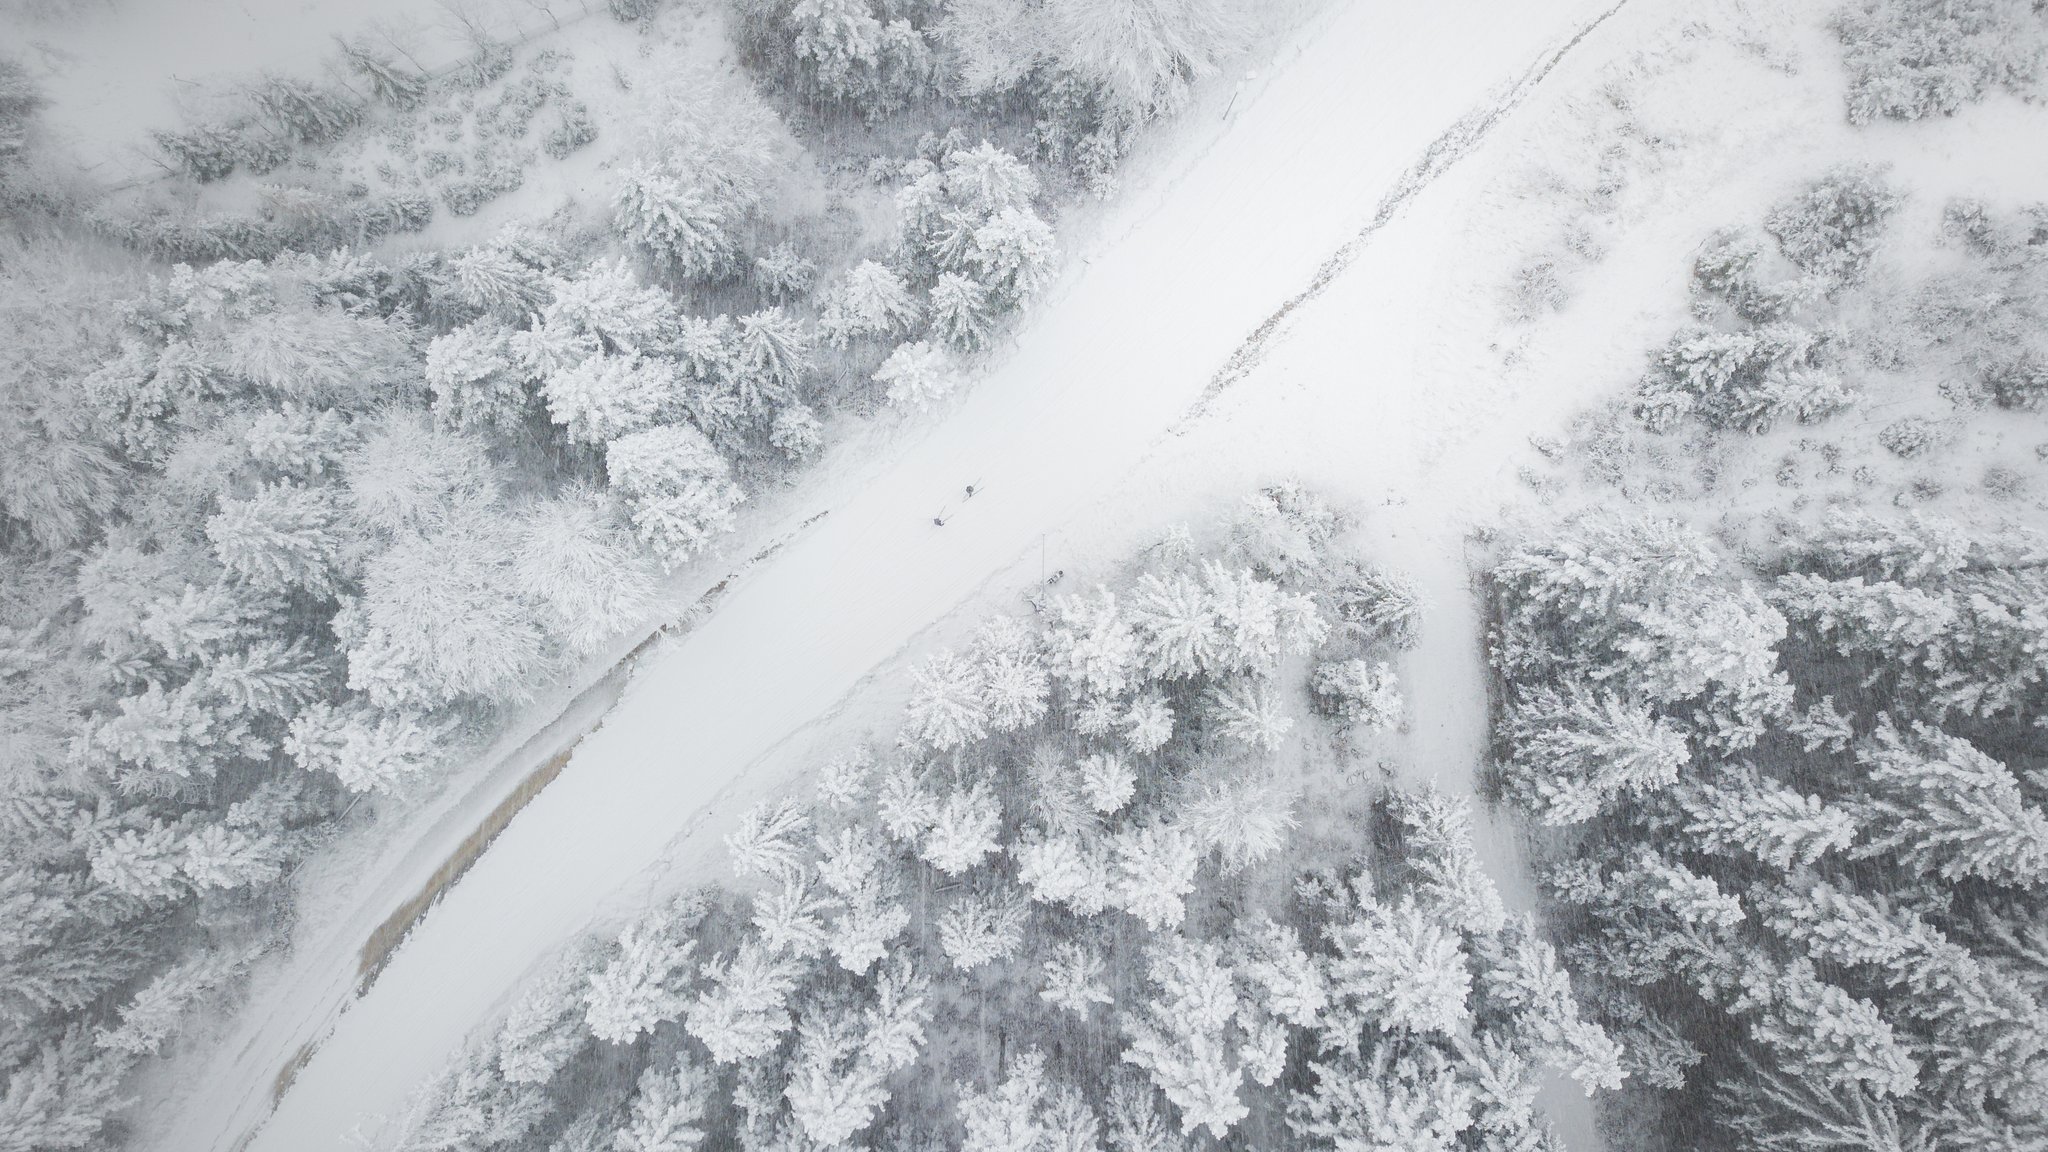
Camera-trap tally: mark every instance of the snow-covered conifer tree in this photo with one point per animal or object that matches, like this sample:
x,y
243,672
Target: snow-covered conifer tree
x,y
493,280
796,431
643,984
544,1030
871,303
1577,750
966,829
668,1110
679,218
584,569
767,841
945,709
366,749
916,376
982,927
1148,724
153,1014
1742,811
604,397
1177,623
226,857
1183,1038
1066,870
872,916
1091,644
1947,809
678,490
1444,861
1013,678
1250,712
1365,696
471,372
281,537
1155,872
960,312
1075,979
1106,781
745,1008
1397,967
1242,817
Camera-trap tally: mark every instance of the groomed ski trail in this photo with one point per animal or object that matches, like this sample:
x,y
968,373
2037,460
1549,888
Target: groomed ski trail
x,y
1119,351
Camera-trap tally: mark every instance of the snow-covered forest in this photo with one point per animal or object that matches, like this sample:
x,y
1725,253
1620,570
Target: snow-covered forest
x,y
1072,902
377,414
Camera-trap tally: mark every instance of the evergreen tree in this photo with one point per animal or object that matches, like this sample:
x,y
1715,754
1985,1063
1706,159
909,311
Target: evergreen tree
x,y
1177,625
871,303
1155,872
966,829
544,1030
471,373
797,431
642,985
1742,810
1148,724
772,353
668,1110
1144,56
960,312
282,537
1074,979
982,927
1576,752
1945,808
1091,645
1242,817
916,376
605,397
1013,678
60,1093
872,916
1082,876
1383,1102
679,217
1250,712
833,1092
945,709
1395,968
1365,696
1818,1030
766,841
153,1014
744,1009
677,489
367,750
1182,1036
579,565
790,921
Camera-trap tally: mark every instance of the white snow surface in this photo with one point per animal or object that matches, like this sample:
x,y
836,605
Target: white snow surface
x,y
1102,372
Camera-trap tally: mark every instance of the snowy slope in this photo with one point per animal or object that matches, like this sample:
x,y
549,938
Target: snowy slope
x,y
1127,341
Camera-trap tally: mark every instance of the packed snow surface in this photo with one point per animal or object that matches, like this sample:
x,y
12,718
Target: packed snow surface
x,y
1103,369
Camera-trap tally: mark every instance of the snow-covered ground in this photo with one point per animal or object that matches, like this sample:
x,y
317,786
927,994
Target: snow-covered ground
x,y
1192,260
114,68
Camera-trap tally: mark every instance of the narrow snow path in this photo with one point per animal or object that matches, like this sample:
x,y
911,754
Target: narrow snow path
x,y
1120,350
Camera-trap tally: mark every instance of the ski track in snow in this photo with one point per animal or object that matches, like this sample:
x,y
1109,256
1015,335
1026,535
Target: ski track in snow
x,y
1103,369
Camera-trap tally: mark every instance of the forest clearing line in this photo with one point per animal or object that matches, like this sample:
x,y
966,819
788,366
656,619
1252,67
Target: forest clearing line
x,y
1446,150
